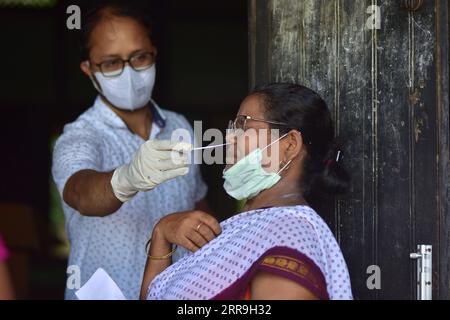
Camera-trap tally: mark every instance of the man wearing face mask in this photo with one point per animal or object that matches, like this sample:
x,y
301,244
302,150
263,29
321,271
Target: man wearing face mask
x,y
113,165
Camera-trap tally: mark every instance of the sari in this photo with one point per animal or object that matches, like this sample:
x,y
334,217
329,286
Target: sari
x,y
291,242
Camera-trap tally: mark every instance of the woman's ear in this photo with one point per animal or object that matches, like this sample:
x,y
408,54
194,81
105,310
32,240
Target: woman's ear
x,y
294,146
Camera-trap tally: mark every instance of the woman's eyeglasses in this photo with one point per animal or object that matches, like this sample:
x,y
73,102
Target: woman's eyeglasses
x,y
240,123
114,67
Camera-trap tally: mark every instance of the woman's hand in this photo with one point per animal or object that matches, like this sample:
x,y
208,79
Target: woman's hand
x,y
190,229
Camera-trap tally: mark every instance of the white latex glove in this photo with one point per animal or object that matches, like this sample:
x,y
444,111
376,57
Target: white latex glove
x,y
153,164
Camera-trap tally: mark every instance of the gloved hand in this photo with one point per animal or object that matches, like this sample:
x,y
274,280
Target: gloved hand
x,y
153,164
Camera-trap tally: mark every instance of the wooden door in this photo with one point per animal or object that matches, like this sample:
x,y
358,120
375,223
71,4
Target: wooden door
x,y
386,82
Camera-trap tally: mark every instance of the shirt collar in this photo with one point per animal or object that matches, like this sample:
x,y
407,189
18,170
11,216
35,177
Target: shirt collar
x,y
111,118
158,115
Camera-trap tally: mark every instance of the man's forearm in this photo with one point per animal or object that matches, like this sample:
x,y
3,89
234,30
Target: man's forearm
x,y
91,193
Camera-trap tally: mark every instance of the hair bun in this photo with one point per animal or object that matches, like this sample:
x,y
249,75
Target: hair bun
x,y
334,179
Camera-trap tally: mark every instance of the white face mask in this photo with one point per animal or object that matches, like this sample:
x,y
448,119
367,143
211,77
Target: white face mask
x,y
130,91
247,178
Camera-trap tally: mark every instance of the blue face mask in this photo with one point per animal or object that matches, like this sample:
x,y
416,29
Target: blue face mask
x,y
247,178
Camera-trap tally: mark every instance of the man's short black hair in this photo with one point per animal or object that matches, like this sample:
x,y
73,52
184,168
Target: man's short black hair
x,y
114,8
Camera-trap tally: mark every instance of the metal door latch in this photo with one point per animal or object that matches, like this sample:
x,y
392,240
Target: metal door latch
x,y
424,257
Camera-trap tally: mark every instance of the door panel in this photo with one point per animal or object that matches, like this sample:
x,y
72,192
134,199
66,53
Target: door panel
x,y
387,89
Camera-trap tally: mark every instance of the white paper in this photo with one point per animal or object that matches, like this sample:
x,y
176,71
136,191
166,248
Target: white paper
x,y
100,287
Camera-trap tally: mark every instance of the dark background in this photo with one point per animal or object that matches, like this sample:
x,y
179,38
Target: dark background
x,y
201,73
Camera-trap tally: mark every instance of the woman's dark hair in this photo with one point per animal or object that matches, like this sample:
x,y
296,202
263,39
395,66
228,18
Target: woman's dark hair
x,y
304,110
110,8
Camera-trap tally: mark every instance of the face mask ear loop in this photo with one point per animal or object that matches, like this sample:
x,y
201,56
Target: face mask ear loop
x,y
284,168
279,139
95,81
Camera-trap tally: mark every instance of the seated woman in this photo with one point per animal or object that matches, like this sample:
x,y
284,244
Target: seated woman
x,y
279,248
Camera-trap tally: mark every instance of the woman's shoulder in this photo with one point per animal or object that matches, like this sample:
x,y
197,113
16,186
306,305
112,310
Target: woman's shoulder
x,y
296,215
298,227
293,226
292,234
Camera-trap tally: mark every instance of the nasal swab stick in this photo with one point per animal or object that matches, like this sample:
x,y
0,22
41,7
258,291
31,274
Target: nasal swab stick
x,y
211,147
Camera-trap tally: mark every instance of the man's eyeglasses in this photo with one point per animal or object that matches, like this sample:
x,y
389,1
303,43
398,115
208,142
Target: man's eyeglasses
x,y
240,123
114,67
